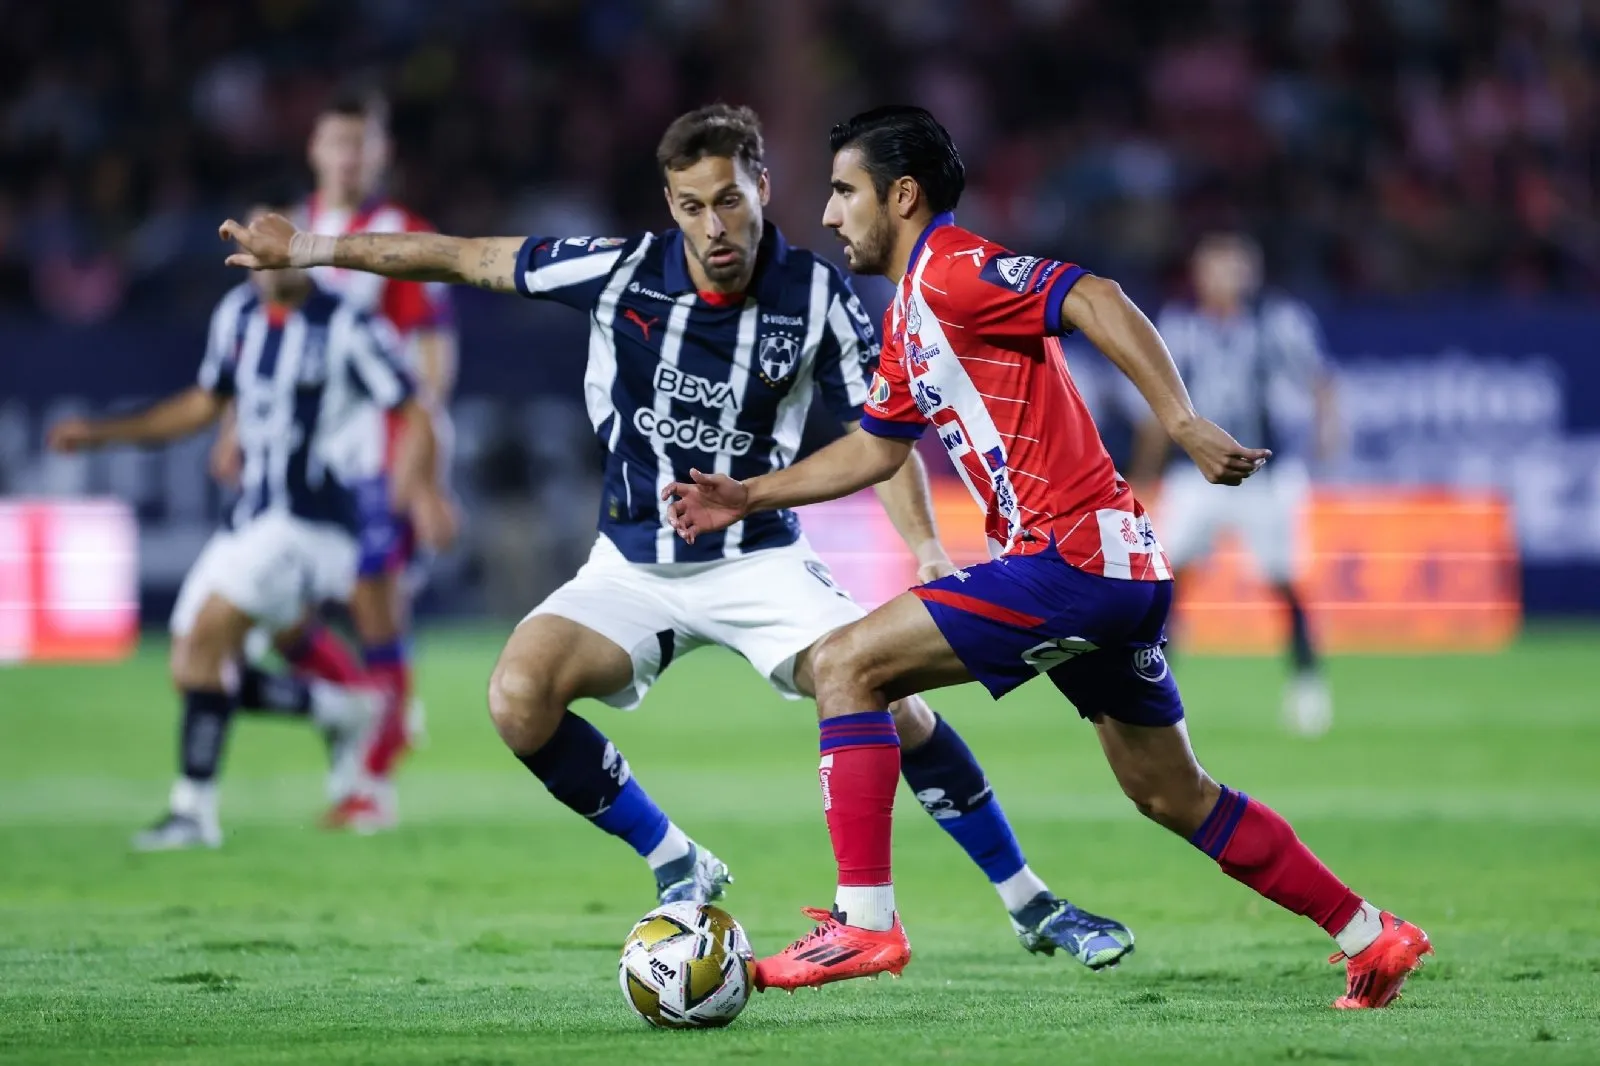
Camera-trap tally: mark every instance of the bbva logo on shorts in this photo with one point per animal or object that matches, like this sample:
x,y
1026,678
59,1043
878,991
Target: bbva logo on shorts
x,y
1150,664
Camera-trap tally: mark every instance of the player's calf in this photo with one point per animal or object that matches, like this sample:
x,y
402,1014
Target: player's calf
x,y
1254,845
201,658
548,663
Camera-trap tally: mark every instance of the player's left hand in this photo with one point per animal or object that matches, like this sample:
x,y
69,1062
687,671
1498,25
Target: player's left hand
x,y
1223,460
932,566
263,245
711,502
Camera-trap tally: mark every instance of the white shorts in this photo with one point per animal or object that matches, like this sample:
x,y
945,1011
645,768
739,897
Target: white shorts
x,y
1263,512
768,606
273,570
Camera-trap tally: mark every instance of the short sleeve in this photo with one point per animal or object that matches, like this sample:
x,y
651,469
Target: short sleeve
x,y
568,270
1002,296
891,411
848,352
222,348
370,348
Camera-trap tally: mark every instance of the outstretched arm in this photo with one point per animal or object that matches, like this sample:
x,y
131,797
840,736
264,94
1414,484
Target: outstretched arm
x,y
272,243
1113,323
715,501
177,416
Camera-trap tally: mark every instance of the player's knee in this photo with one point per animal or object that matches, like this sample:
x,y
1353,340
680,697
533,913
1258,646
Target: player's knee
x,y
843,658
524,703
1176,801
197,660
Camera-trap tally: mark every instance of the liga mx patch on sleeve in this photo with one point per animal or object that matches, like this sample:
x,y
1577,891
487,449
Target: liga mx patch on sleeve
x,y
1019,273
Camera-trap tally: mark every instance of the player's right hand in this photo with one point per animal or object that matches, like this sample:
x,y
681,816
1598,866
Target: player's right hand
x,y
710,503
1223,460
71,435
263,245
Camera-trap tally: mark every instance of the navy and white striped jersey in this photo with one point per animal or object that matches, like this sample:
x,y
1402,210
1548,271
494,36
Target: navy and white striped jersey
x,y
298,377
676,381
1252,374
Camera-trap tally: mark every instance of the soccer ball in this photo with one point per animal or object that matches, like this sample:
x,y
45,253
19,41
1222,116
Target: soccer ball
x,y
687,966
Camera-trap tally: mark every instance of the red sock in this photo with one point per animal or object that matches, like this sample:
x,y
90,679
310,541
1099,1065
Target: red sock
x,y
1254,845
390,672
860,770
325,656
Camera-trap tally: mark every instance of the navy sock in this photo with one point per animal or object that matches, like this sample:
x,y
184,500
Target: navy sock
x,y
585,771
952,787
275,694
205,731
1303,652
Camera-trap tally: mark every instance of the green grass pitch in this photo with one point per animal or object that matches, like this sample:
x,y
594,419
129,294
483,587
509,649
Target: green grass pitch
x,y
1463,792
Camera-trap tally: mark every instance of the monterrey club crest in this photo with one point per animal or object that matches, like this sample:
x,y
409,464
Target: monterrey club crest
x,y
779,354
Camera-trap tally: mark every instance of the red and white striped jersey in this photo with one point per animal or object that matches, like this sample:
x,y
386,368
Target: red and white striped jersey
x,y
410,305
972,347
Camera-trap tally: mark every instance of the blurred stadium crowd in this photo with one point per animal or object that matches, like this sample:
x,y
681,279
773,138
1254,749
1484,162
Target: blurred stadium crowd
x,y
1378,147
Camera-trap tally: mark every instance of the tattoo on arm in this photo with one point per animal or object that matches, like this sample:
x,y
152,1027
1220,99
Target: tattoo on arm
x,y
408,256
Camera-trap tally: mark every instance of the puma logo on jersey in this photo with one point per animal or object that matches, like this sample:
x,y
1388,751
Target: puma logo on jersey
x,y
639,320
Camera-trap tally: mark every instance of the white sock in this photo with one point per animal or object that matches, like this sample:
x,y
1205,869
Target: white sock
x,y
866,906
1359,933
673,847
196,799
1018,890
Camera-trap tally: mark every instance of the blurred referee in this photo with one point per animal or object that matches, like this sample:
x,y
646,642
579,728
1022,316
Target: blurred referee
x,y
1254,364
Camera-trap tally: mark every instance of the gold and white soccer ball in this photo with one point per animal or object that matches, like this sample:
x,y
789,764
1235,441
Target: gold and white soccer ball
x,y
687,966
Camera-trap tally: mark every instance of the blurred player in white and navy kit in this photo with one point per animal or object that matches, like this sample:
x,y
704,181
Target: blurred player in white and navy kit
x,y
1254,362
707,345
349,152
299,365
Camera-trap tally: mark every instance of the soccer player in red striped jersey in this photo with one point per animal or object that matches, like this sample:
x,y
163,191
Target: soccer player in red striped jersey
x,y
348,153
1078,588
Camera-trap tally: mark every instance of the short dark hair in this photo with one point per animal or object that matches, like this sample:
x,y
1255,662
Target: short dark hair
x,y
358,99
900,141
719,131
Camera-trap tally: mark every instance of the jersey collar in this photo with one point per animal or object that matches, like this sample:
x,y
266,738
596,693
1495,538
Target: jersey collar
x,y
766,285
943,218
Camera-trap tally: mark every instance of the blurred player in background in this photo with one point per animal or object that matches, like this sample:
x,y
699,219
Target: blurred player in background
x,y
1078,589
300,366
349,152
1254,362
707,345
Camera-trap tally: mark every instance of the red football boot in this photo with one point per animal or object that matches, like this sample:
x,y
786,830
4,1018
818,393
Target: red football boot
x,y
834,951
1376,973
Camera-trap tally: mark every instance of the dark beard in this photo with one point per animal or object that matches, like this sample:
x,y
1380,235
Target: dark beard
x,y
735,270
872,251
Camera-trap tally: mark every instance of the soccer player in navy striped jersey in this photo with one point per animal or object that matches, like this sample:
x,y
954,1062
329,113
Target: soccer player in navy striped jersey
x,y
1254,360
707,345
299,364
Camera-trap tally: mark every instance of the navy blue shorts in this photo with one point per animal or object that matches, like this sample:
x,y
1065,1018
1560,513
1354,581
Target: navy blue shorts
x,y
387,542
1099,639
